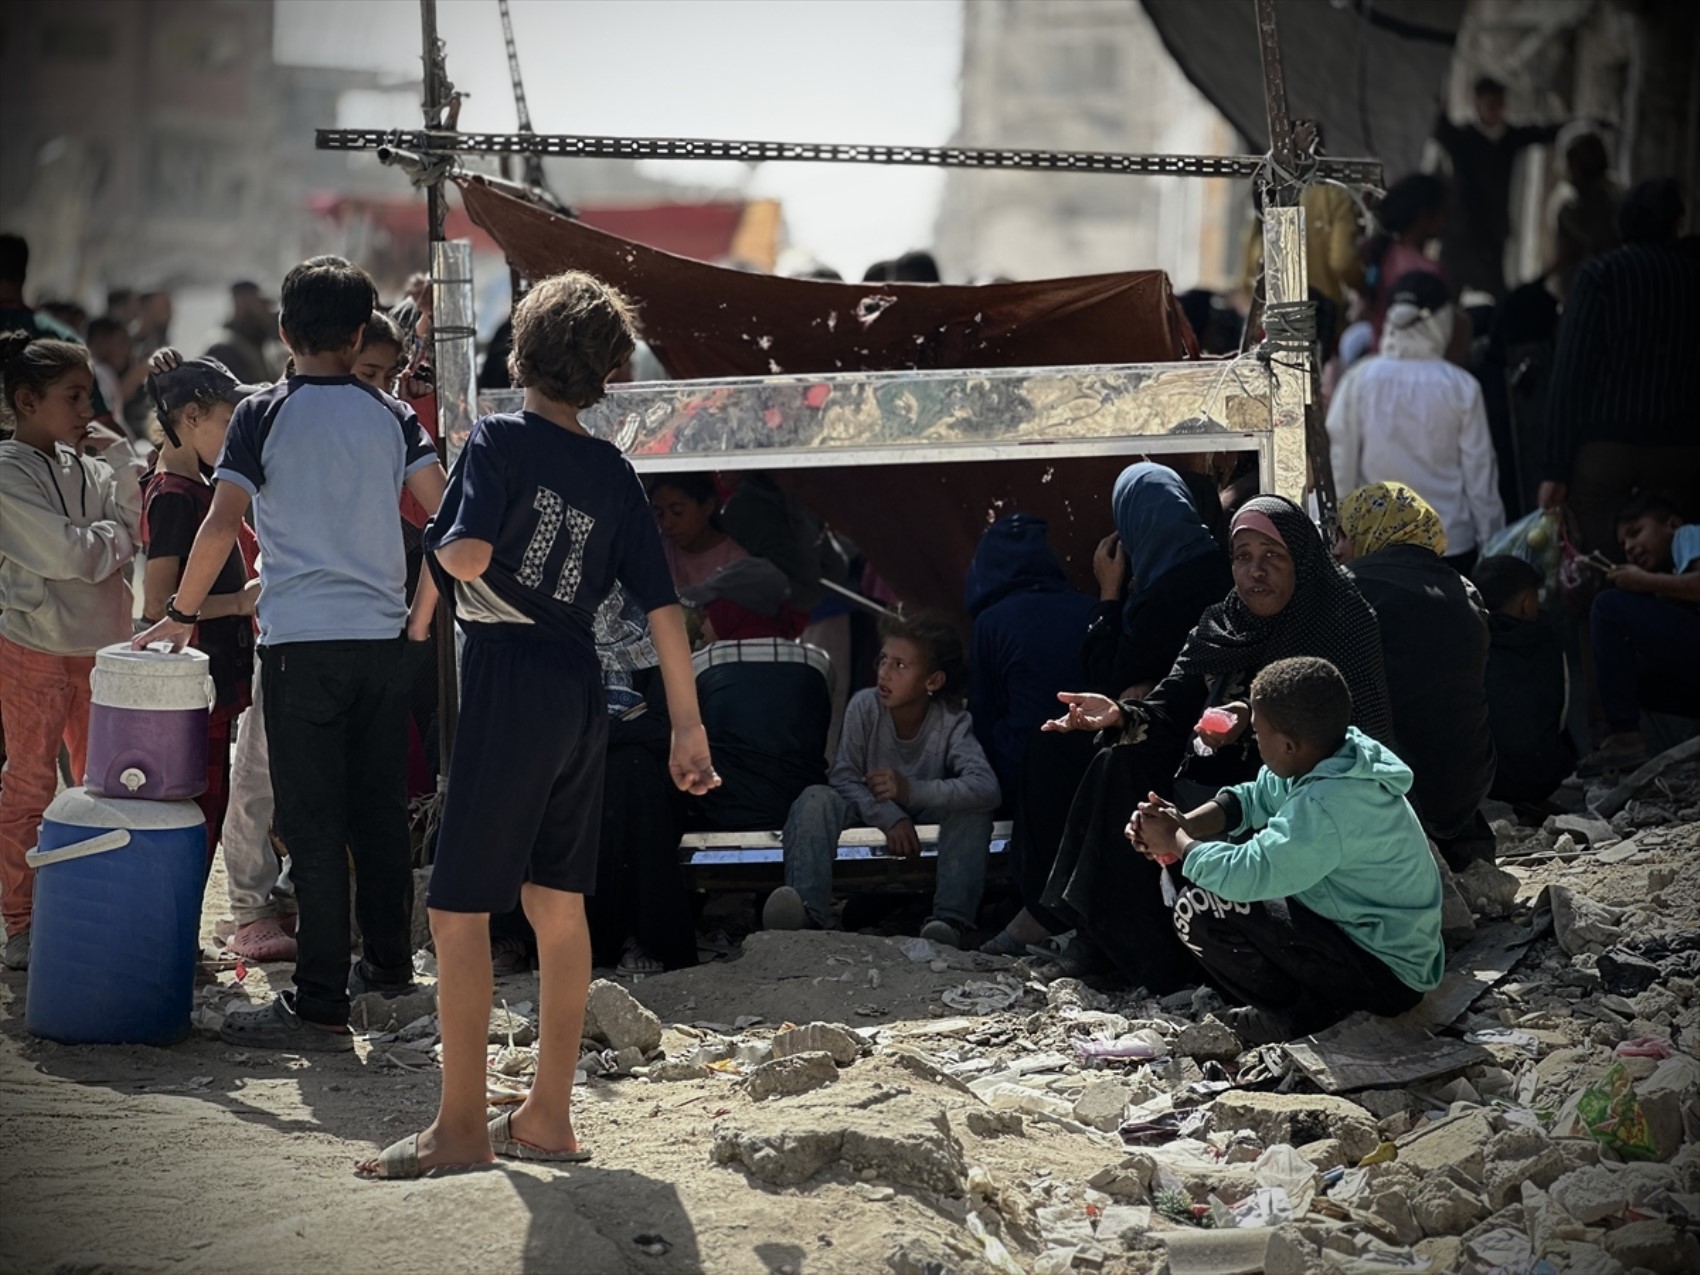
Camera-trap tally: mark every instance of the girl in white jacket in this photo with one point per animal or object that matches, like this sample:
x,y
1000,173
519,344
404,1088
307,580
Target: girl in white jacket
x,y
69,526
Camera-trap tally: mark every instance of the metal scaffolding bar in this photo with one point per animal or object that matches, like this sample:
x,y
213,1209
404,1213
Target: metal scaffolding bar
x,y
433,143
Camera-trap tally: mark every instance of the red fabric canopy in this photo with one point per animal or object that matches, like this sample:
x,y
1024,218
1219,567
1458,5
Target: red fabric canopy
x,y
711,321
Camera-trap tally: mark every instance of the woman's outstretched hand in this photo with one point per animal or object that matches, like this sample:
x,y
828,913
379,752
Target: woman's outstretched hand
x,y
1085,711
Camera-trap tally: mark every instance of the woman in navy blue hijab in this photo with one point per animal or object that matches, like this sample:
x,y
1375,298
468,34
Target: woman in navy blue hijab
x,y
1156,574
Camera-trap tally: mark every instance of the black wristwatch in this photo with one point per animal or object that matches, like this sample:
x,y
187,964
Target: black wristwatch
x,y
176,616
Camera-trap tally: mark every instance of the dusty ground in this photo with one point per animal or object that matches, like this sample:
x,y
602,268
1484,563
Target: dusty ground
x,y
206,1158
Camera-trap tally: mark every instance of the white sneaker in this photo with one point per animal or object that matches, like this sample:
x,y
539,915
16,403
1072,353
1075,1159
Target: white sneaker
x,y
784,910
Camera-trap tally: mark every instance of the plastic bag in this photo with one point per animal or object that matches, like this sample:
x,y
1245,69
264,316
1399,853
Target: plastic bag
x,y
1611,1114
1537,538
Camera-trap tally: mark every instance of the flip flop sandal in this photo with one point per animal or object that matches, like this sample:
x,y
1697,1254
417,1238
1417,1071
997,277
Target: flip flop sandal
x,y
634,960
503,1143
399,1162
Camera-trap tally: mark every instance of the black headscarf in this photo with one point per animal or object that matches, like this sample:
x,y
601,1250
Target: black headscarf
x,y
1327,618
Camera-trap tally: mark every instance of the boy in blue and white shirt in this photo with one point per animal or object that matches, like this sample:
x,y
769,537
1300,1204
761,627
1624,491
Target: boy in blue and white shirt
x,y
323,460
539,522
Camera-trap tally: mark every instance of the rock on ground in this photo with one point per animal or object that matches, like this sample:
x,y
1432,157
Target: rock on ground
x,y
1210,1039
786,1077
612,1015
903,1139
843,1044
1101,1105
1655,1246
1299,1118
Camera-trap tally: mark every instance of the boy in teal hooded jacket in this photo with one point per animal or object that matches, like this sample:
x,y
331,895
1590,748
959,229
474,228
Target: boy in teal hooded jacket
x,y
1333,905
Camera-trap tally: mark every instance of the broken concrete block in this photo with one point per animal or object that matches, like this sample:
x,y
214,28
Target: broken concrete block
x,y
1584,828
613,1015
843,1044
1299,1118
1382,1103
906,1141
1448,1202
375,1012
1394,1209
1489,891
1444,1252
1457,1141
1520,1157
787,1077
1120,1223
983,1122
674,1069
1580,924
1210,1039
1129,1180
1101,1105
926,1068
1670,1100
1291,1251
1591,1195
1550,1227
1325,1154
503,1022
1655,1246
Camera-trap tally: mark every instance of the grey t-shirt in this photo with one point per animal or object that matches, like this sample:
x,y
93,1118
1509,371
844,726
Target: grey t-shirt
x,y
944,764
324,459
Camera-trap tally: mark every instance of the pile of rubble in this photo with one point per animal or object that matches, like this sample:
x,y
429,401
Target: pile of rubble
x,y
1539,1113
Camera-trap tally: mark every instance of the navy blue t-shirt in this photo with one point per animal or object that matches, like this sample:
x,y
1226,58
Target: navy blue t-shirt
x,y
567,517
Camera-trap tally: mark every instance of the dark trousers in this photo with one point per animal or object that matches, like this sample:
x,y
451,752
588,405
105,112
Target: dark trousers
x,y
1050,775
1644,656
336,722
1280,956
640,881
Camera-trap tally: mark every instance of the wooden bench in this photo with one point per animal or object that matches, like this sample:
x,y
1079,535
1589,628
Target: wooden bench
x,y
724,861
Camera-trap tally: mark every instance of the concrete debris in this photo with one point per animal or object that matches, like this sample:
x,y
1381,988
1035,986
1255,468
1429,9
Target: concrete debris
x,y
906,1141
1581,924
1489,891
842,1043
1102,1104
1519,1158
1448,1202
1655,1246
1210,1039
1299,1118
508,1027
375,1012
612,1015
674,1069
1591,1194
787,1077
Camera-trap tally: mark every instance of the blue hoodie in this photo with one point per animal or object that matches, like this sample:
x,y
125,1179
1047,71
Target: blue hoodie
x,y
1344,842
1029,625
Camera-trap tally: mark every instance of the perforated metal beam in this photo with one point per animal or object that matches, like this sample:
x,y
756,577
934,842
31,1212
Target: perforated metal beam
x,y
1363,172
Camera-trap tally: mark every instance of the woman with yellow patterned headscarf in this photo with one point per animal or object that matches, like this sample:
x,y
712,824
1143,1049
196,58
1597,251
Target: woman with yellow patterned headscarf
x,y
1381,515
1434,651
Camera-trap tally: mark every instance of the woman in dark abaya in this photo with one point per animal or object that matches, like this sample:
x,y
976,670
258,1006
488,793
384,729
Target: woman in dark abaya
x,y
1156,575
1434,642
1289,598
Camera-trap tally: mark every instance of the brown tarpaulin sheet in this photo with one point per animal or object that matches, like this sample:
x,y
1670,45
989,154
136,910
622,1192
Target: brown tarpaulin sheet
x,y
709,321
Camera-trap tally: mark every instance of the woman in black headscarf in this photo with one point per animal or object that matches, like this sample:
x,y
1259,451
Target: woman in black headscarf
x,y
1156,574
1289,598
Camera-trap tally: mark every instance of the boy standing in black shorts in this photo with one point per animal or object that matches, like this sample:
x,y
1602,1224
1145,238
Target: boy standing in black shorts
x,y
538,522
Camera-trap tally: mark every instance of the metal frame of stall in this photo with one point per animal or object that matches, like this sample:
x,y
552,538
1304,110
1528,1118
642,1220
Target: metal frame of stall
x,y
1265,399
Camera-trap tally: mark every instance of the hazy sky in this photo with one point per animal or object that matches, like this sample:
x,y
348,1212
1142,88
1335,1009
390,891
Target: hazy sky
x,y
820,70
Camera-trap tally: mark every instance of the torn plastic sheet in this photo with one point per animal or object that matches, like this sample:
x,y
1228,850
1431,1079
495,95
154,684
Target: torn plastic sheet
x,y
1267,1206
1139,1046
1154,1130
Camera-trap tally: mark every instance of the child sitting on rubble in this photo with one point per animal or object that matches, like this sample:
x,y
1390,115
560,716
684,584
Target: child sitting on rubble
x,y
907,755
1333,906
1528,684
1646,629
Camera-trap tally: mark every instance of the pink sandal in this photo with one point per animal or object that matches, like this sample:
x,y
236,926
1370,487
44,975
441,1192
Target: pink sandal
x,y
263,940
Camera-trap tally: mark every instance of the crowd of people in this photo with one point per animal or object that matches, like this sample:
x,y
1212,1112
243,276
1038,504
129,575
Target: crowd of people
x,y
1247,756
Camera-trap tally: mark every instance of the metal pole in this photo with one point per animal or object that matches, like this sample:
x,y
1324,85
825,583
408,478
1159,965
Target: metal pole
x,y
435,104
1287,278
